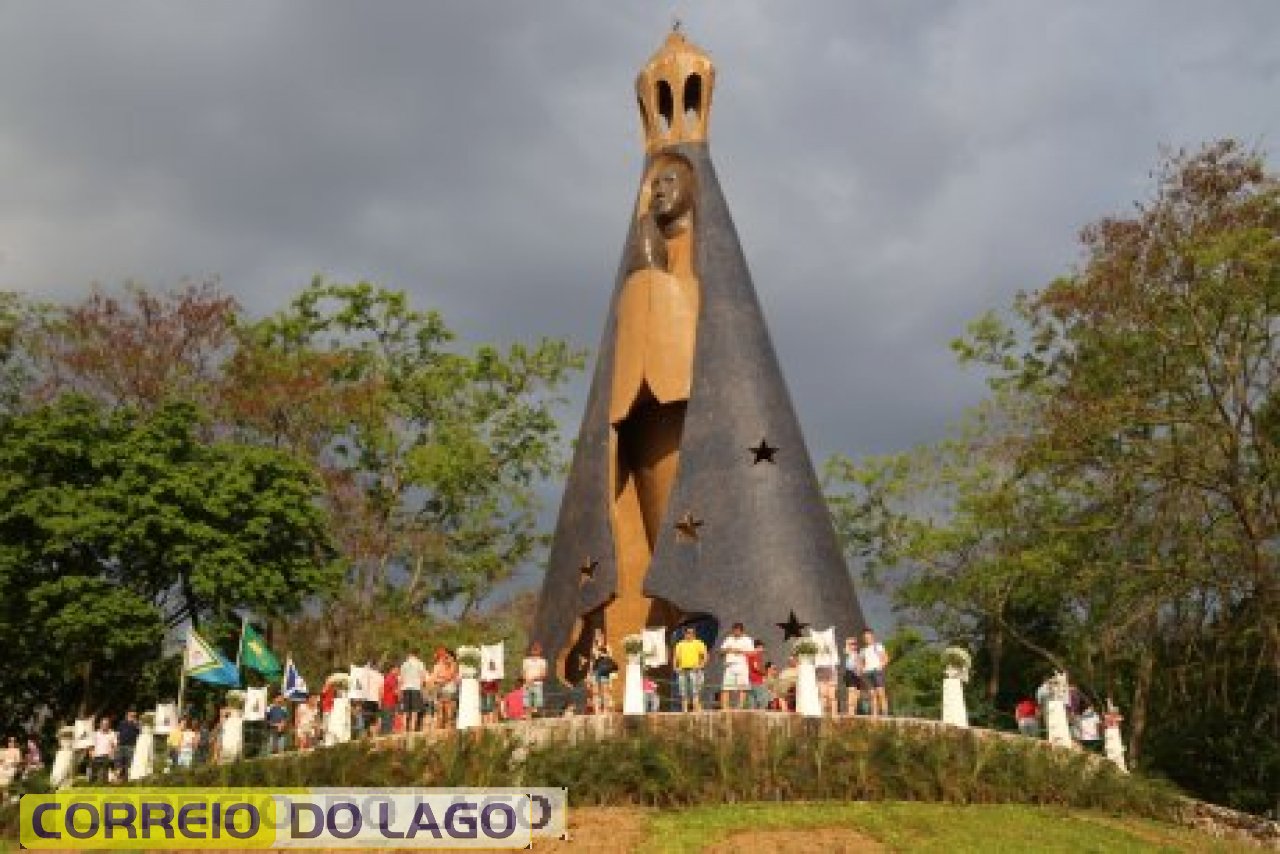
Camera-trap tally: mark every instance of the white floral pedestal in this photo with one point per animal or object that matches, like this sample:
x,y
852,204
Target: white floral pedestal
x,y
1057,729
338,727
143,753
468,698
232,737
954,711
808,703
633,691
1112,742
63,760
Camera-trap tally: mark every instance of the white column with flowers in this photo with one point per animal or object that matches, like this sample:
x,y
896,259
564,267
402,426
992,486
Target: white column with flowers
x,y
338,725
633,690
233,727
808,703
956,663
1057,728
64,759
468,687
1112,743
145,750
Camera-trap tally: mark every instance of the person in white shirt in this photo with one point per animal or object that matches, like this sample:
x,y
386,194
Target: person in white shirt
x,y
411,673
1091,729
104,750
534,672
372,698
10,762
737,674
875,658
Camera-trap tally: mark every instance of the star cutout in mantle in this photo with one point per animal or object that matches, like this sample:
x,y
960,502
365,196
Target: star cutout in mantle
x,y
688,526
763,453
792,628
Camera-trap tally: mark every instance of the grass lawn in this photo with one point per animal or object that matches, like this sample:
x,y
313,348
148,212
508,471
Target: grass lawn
x,y
922,827
865,827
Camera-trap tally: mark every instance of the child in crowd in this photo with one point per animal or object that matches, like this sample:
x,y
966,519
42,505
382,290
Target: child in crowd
x,y
533,671
513,704
651,701
1027,714
490,688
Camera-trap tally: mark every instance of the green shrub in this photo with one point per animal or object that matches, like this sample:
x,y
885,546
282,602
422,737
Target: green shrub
x,y
675,762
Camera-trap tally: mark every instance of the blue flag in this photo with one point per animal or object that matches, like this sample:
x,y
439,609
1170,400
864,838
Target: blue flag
x,y
294,687
205,663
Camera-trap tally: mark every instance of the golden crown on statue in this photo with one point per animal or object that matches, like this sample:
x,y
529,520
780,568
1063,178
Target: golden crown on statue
x,y
674,90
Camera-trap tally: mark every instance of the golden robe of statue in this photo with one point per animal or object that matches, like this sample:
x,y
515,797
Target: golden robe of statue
x,y
657,318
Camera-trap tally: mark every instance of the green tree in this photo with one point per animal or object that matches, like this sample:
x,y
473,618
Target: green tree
x,y
116,527
968,543
1117,512
430,452
13,314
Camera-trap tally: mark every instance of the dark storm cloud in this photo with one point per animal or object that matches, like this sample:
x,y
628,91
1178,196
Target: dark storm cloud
x,y
894,168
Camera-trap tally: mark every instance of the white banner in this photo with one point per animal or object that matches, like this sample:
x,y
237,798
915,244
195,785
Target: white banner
x,y
828,653
255,704
357,686
655,647
491,662
166,718
83,737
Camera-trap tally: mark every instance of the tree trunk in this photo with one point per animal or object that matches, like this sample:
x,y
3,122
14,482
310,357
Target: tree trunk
x,y
1142,698
996,645
86,677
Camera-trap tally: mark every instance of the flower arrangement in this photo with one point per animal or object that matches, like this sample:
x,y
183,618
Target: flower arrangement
x,y
469,656
805,648
957,657
956,662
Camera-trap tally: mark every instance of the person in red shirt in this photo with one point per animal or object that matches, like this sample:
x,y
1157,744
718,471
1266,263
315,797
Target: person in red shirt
x,y
759,696
513,703
326,704
390,699
1027,713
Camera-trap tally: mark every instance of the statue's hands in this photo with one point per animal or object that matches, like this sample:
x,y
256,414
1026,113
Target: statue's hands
x,y
648,248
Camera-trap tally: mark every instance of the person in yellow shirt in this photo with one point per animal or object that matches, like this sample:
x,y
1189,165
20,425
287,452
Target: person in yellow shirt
x,y
689,658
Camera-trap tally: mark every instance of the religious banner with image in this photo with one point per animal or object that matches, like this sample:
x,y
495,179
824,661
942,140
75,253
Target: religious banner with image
x,y
82,739
255,704
655,647
166,718
492,658
828,653
357,686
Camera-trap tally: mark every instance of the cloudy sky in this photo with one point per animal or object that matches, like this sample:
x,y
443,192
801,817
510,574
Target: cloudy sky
x,y
894,168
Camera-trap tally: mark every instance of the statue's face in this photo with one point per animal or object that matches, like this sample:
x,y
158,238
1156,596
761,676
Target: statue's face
x,y
671,192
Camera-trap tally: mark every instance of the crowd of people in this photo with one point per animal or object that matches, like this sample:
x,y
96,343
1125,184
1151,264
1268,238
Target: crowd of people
x,y
17,761
414,696
1085,724
749,679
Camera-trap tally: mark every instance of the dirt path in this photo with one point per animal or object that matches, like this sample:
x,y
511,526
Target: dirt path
x,y
620,829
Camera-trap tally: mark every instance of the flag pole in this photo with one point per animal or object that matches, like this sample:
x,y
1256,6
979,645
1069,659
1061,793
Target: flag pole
x,y
244,621
182,677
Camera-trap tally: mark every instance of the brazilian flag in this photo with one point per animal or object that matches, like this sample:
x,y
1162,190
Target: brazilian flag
x,y
255,655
